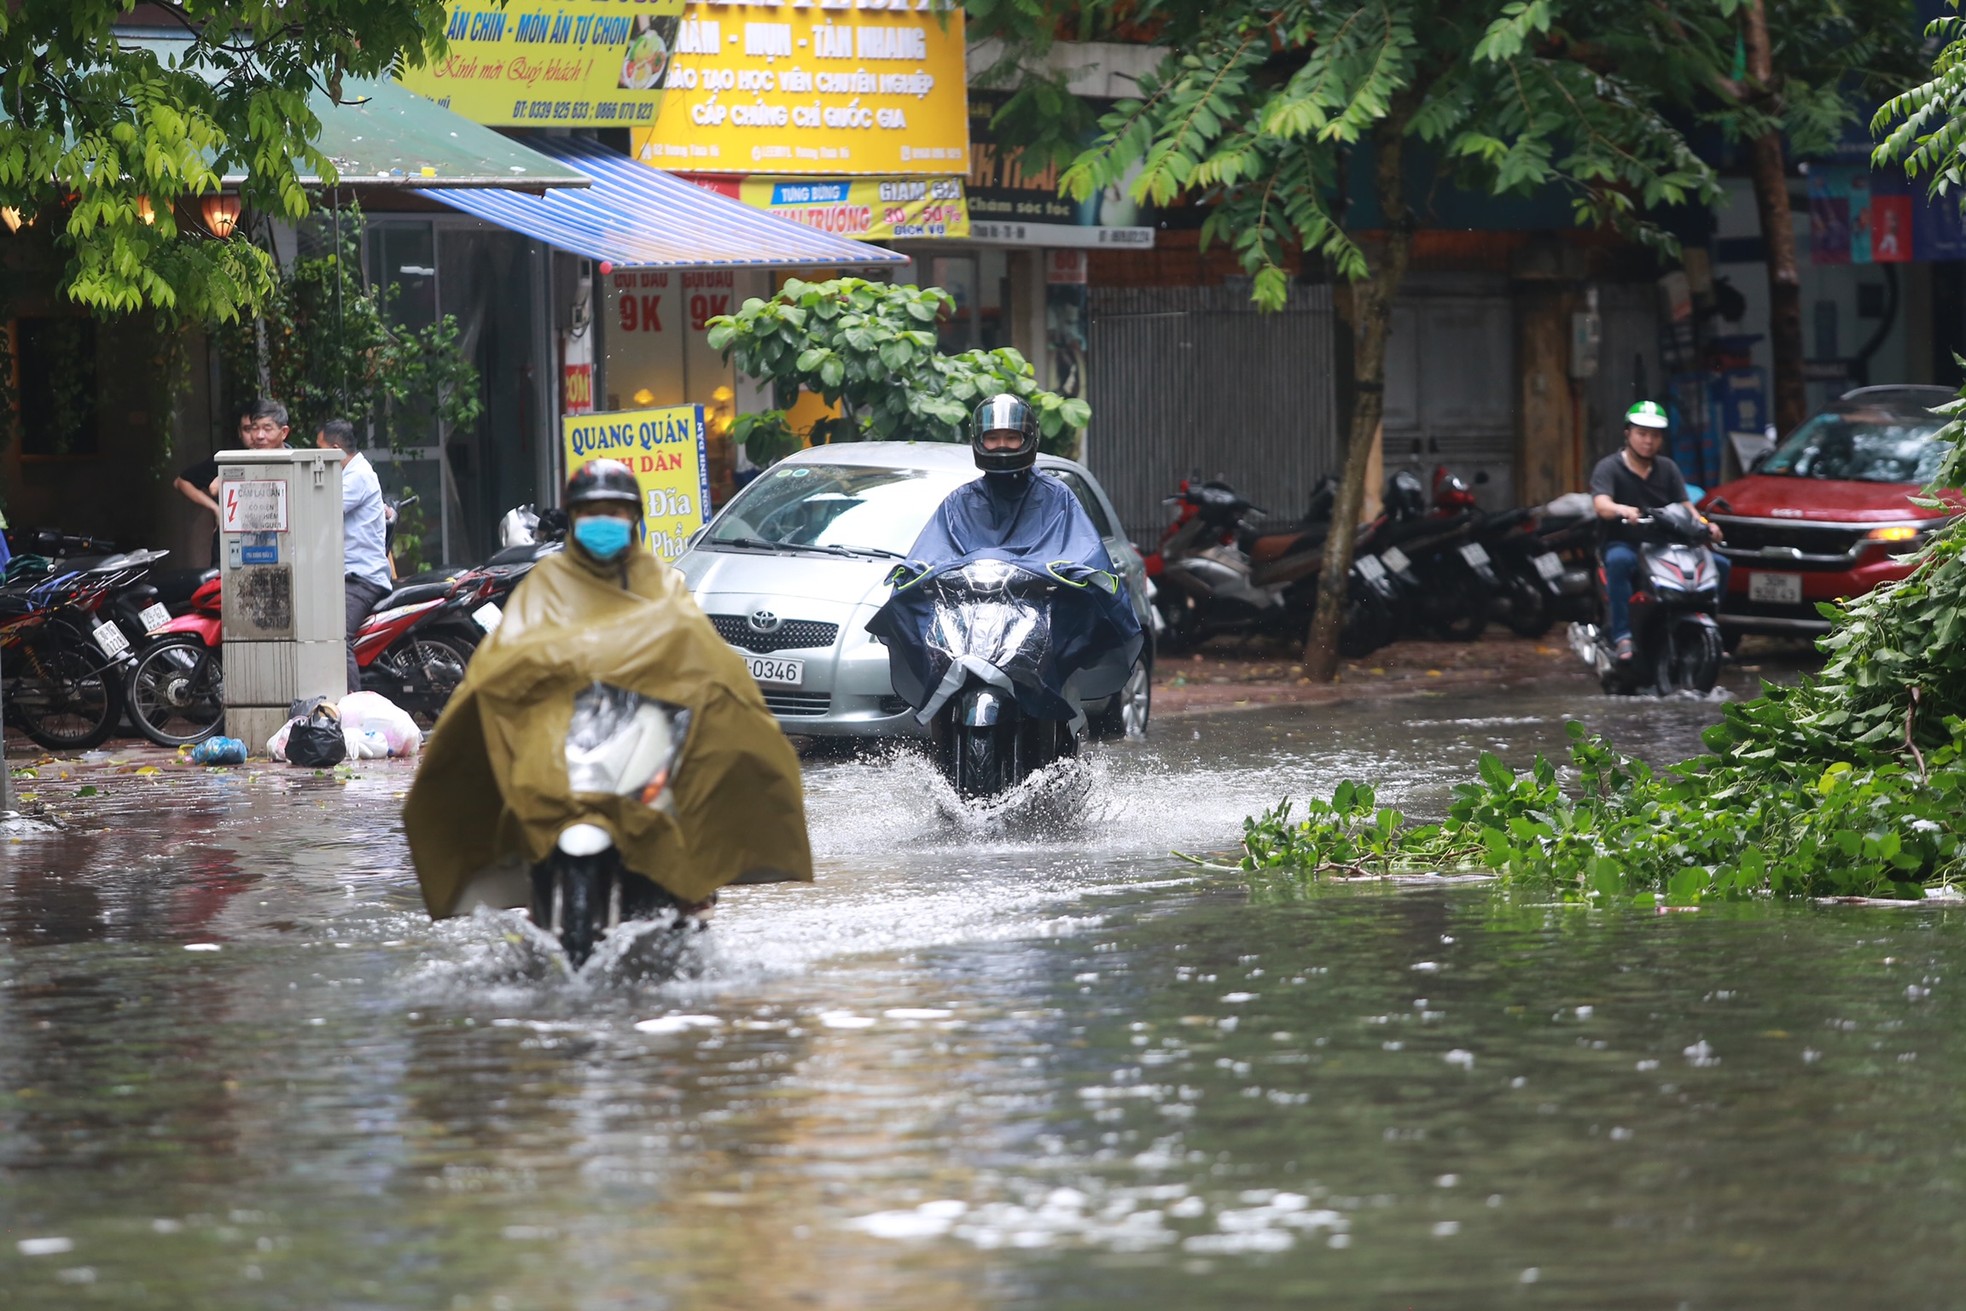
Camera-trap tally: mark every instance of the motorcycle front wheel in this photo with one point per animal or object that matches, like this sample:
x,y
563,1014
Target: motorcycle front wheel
x,y
1530,611
981,756
1689,659
62,700
579,899
176,692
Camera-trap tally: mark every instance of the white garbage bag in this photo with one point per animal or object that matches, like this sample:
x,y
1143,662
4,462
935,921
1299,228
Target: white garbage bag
x,y
366,715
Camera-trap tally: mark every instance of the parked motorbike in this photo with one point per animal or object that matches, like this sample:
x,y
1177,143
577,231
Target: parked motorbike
x,y
1447,579
412,650
1213,573
61,657
1676,643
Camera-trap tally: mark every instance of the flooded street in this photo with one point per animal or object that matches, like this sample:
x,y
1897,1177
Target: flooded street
x,y
984,1062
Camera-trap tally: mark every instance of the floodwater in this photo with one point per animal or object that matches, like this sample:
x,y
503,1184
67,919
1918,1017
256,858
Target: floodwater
x,y
985,1062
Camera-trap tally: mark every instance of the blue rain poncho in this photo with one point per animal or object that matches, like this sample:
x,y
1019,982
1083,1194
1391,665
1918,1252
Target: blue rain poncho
x,y
1049,651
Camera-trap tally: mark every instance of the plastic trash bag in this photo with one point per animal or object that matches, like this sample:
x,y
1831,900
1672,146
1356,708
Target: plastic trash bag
x,y
371,714
313,740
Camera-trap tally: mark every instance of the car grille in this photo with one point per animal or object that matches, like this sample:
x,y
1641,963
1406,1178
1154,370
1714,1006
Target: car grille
x,y
894,705
1777,541
792,635
795,704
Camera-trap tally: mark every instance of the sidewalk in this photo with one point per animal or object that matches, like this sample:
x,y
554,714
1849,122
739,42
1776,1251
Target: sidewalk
x,y
1227,675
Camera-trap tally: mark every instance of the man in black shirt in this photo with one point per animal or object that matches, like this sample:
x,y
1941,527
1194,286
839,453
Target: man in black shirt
x,y
1630,485
262,427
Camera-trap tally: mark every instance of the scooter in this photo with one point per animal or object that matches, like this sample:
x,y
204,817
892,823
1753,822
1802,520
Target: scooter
x,y
1448,582
619,744
1214,574
1676,641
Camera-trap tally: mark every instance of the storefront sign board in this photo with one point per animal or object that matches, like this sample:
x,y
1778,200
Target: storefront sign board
x,y
827,86
665,448
869,209
563,63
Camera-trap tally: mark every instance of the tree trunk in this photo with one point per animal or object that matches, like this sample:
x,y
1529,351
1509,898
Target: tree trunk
x,y
1768,168
1372,307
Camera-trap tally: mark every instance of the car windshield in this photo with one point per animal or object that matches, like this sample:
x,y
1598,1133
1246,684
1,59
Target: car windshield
x,y
1870,446
855,507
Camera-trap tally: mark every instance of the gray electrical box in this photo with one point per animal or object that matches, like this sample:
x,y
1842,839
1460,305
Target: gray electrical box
x,y
280,553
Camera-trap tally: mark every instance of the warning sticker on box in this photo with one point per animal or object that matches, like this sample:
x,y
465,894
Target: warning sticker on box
x,y
257,505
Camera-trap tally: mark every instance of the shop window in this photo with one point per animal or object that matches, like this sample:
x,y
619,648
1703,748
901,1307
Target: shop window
x,y
56,358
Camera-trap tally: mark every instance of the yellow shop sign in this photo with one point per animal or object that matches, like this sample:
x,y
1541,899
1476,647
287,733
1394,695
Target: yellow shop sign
x,y
869,209
825,86
570,63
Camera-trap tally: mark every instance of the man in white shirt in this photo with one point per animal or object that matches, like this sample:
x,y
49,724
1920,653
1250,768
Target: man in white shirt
x,y
364,560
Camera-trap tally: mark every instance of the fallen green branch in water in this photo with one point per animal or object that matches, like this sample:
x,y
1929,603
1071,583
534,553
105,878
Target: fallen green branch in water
x,y
1706,829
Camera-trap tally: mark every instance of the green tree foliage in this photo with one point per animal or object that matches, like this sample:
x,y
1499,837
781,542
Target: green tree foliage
x,y
1257,108
870,349
1924,129
330,349
91,132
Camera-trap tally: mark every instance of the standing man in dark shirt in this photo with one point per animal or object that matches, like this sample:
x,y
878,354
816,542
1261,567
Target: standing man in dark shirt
x,y
262,427
1630,485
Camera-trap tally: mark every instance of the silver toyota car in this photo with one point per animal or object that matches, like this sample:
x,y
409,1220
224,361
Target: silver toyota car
x,y
791,571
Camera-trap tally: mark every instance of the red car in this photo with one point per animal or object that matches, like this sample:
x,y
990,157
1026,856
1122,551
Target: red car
x,y
1828,514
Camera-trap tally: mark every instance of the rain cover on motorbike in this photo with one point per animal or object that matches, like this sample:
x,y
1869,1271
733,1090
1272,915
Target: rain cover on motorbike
x,y
493,786
1011,583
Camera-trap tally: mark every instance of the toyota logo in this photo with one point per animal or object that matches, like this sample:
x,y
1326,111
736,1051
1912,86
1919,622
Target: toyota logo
x,y
764,621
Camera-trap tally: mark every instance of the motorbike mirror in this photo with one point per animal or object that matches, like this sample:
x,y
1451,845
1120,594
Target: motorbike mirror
x,y
1481,477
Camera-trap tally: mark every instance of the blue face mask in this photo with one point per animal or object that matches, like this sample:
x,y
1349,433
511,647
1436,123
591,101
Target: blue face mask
x,y
603,536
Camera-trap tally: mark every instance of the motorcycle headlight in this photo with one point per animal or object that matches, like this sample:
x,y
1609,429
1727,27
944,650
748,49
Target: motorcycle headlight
x,y
624,744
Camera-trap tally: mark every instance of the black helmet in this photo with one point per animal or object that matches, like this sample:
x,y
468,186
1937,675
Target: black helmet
x,y
602,480
1005,413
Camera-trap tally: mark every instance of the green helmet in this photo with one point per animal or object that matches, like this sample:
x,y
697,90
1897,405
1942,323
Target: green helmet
x,y
1647,414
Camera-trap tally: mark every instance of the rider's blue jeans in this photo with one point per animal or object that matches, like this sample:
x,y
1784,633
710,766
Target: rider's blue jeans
x,y
1620,563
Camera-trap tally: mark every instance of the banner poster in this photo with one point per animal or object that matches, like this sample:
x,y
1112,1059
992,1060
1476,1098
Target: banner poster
x,y
567,63
797,87
1890,218
1829,214
665,448
867,209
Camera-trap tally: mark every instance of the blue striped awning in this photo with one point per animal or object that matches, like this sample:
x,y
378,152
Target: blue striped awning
x,y
635,216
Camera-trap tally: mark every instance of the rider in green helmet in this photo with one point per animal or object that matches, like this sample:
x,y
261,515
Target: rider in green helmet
x,y
1627,486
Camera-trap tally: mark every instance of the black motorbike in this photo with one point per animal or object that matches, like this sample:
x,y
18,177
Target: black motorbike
x,y
986,679
1676,643
1447,580
1216,573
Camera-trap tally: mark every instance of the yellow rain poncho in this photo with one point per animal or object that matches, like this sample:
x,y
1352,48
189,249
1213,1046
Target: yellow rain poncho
x,y
491,794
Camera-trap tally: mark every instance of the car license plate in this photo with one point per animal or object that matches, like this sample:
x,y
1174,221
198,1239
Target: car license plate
x,y
1781,589
1369,566
1548,565
1474,554
488,615
770,669
1395,559
153,617
110,638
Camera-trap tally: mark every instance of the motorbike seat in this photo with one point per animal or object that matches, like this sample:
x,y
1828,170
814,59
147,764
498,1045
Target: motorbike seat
x,y
1275,546
414,594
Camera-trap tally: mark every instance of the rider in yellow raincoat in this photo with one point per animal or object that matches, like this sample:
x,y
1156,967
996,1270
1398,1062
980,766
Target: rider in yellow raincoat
x,y
491,797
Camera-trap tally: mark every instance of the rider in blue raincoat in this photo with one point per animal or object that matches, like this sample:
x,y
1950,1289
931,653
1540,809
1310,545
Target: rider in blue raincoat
x,y
1022,517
